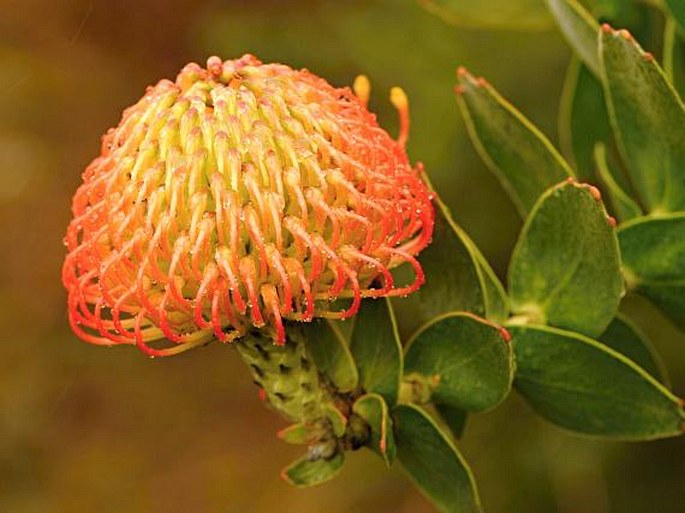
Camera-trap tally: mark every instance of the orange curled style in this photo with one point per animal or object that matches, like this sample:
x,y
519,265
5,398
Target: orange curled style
x,y
241,196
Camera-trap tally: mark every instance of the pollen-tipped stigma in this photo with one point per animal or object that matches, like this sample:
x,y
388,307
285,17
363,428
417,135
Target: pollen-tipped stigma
x,y
240,195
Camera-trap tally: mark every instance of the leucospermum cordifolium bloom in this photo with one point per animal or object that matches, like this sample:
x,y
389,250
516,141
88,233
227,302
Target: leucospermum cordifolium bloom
x,y
242,202
240,196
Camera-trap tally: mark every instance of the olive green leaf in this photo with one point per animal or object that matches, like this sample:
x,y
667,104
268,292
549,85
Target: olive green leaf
x,y
502,14
374,410
306,472
648,119
582,385
377,350
624,206
565,268
433,463
454,418
331,354
523,159
653,252
579,28
457,278
466,361
624,337
583,118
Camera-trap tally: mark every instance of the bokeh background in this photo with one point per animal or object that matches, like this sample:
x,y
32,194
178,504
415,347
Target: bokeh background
x,y
86,429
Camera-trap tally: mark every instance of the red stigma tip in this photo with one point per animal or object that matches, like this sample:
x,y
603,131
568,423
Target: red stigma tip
x,y
612,221
462,71
262,395
570,180
481,82
459,89
649,57
504,333
606,28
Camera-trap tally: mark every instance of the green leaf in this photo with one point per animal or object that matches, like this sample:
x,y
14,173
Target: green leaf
x,y
579,28
653,251
304,472
299,434
502,14
331,354
523,159
433,463
467,359
624,206
624,337
454,418
677,9
583,118
377,349
565,269
457,278
374,410
648,118
582,385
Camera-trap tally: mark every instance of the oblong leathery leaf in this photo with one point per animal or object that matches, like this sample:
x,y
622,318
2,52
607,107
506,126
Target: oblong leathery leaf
x,y
374,410
565,268
624,337
648,119
377,349
467,359
506,14
579,28
433,463
624,206
523,159
457,278
331,354
305,472
454,418
653,252
583,119
582,385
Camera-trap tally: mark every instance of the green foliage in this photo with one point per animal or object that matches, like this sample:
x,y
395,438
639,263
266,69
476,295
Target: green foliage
x,y
377,349
677,8
643,103
579,28
465,361
454,418
565,269
653,250
624,337
458,278
374,410
332,356
583,118
625,207
433,462
517,152
582,385
307,472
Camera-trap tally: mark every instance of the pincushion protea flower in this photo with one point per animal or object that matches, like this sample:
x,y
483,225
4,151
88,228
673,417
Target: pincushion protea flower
x,y
238,196
233,203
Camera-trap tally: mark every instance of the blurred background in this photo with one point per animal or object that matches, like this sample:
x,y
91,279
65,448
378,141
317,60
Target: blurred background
x,y
87,429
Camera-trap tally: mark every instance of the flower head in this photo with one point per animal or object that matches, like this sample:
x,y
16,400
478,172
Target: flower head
x,y
236,197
